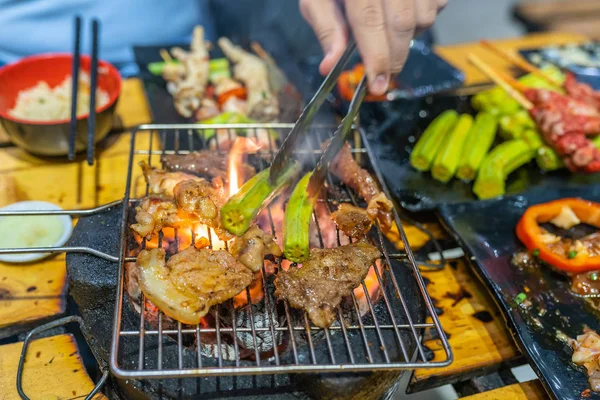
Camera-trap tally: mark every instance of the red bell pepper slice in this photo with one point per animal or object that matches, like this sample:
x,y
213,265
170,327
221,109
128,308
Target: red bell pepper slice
x,y
239,92
530,234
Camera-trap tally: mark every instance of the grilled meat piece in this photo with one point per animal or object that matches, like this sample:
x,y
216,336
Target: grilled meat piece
x,y
157,212
353,221
251,248
380,208
345,167
581,91
191,282
204,201
319,285
204,162
163,182
564,123
586,352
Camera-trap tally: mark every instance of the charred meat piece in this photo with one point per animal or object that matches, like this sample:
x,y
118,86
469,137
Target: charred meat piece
x,y
204,201
157,212
191,282
251,248
586,352
353,221
163,182
380,208
345,167
204,162
319,285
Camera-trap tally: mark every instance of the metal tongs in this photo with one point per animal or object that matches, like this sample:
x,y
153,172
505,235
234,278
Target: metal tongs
x,y
283,156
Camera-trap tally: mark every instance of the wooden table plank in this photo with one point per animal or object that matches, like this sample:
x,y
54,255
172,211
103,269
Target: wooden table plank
x,y
479,337
532,390
457,54
53,370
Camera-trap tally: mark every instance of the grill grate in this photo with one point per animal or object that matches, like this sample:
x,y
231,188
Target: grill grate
x,y
372,332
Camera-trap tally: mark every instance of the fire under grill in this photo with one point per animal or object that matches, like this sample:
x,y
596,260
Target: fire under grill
x,y
255,333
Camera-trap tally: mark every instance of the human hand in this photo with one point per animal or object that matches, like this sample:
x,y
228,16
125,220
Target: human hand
x,y
383,30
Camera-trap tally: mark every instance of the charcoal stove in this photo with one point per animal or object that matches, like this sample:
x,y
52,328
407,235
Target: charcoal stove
x,y
271,349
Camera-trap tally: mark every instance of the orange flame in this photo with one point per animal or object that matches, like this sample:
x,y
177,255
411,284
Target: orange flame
x,y
241,146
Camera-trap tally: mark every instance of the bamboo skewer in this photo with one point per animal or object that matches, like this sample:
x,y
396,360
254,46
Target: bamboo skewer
x,y
513,87
520,62
164,54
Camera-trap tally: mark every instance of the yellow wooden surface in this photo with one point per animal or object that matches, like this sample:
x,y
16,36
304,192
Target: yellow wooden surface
x,y
532,390
53,370
477,345
457,54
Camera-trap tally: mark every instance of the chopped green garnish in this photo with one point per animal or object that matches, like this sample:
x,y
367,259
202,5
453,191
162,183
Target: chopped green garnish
x,y
535,252
572,254
520,298
593,276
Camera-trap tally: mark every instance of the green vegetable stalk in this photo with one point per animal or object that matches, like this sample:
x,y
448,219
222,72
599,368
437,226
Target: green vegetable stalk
x,y
533,138
241,209
230,117
297,222
446,161
499,163
478,143
548,160
431,140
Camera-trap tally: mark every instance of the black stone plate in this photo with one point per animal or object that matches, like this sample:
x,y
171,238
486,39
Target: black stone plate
x,y
486,230
394,128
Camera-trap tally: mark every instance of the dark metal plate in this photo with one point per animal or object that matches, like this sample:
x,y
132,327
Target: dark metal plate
x,y
486,231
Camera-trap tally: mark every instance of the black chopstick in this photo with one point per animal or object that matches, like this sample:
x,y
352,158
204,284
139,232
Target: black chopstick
x,y
93,83
74,87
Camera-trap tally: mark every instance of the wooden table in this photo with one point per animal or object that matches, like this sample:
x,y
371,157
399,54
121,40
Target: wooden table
x,y
32,294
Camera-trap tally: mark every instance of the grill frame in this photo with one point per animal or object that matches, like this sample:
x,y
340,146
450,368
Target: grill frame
x,y
417,360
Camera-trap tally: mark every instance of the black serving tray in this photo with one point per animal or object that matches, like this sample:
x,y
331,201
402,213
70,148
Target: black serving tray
x,y
486,231
395,127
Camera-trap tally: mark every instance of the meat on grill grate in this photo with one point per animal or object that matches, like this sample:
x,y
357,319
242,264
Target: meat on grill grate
x,y
319,285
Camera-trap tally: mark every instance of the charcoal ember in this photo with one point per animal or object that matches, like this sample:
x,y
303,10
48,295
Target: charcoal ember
x,y
261,316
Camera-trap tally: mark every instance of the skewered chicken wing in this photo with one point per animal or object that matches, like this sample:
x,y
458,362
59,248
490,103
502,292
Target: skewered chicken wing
x,y
262,103
192,281
189,91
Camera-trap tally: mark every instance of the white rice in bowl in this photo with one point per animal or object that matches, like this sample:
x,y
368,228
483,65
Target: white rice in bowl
x,y
43,103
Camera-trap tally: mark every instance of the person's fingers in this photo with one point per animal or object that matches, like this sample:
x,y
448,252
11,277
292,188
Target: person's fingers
x,y
400,26
328,24
441,4
367,19
426,11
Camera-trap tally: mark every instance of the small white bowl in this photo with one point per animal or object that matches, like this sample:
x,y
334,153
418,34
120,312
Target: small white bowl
x,y
37,205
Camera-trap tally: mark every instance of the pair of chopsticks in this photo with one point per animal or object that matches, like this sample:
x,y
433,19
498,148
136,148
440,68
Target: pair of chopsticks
x,y
91,145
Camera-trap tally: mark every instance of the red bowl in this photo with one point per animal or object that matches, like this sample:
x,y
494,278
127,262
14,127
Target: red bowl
x,y
51,138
